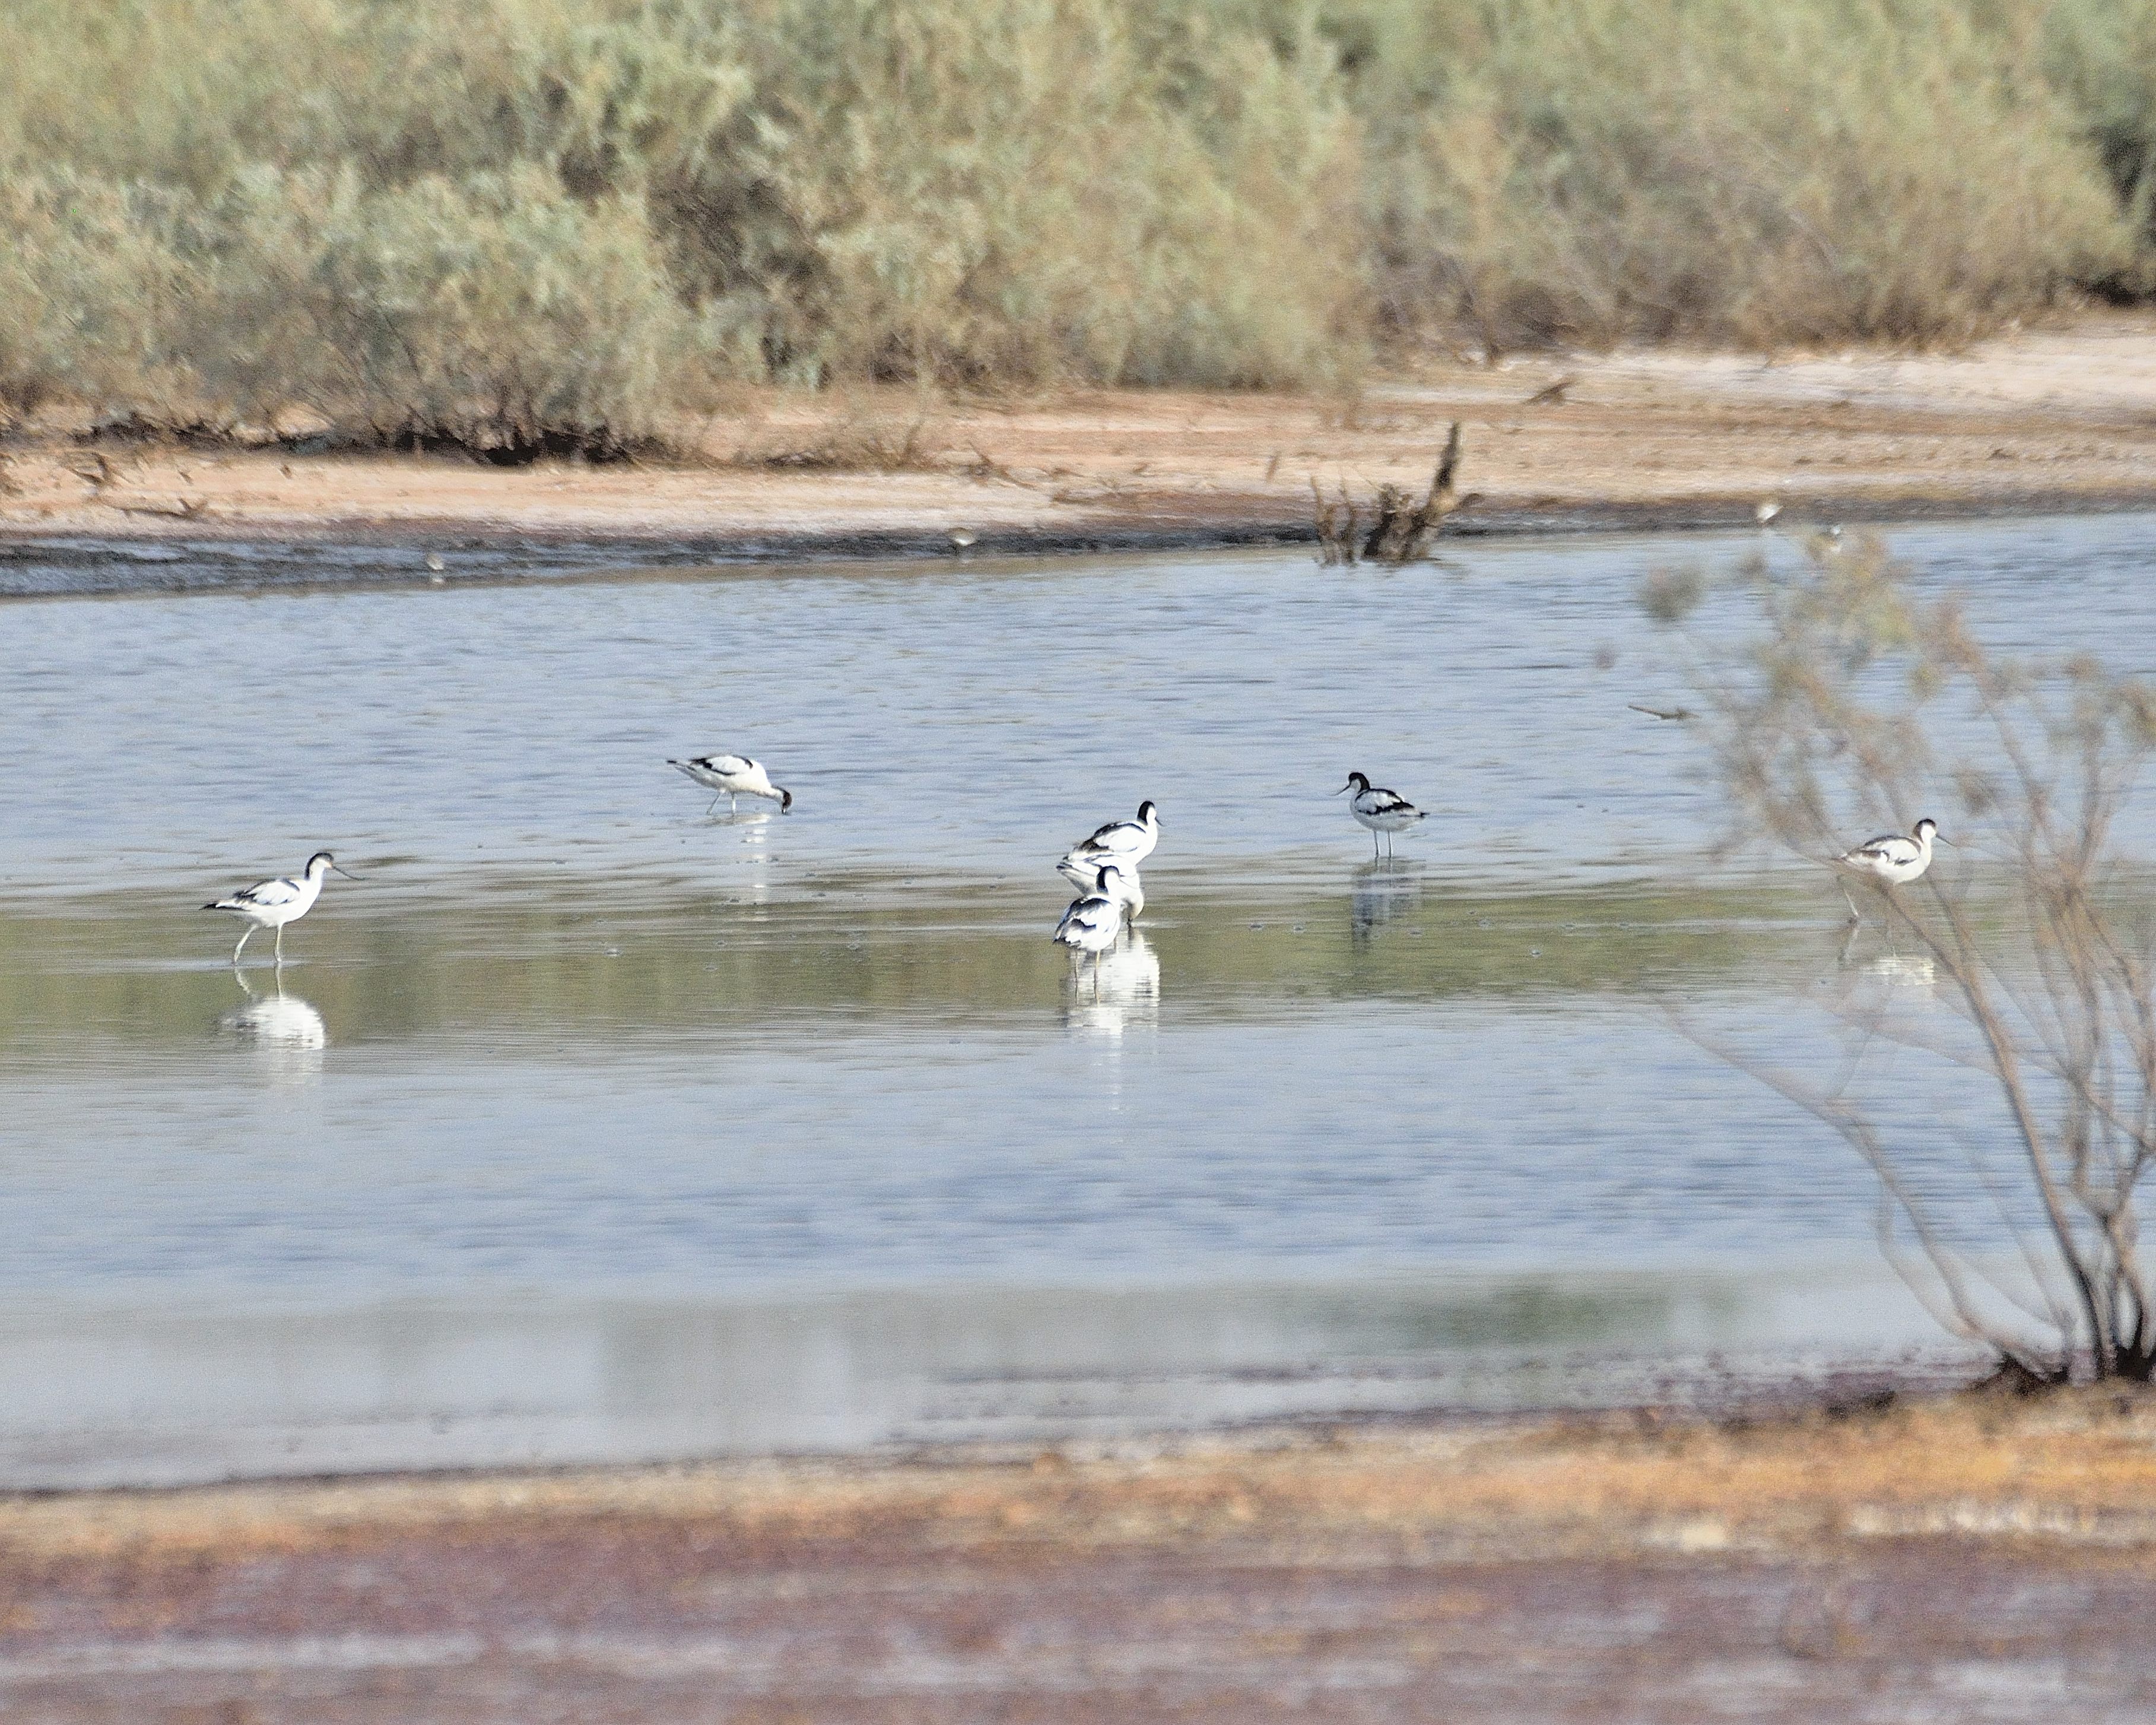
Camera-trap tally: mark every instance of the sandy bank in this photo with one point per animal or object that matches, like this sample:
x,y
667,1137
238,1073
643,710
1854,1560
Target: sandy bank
x,y
1954,1555
2053,419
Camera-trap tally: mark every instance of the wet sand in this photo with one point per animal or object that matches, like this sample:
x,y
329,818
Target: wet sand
x,y
2055,418
1972,1557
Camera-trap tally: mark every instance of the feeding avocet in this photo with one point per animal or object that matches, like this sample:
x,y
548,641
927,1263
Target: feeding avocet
x,y
1891,860
271,904
1125,842
733,776
1380,810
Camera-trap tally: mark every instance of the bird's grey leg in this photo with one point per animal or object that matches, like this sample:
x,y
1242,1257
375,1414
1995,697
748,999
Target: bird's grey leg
x,y
242,946
1855,915
733,804
281,946
714,809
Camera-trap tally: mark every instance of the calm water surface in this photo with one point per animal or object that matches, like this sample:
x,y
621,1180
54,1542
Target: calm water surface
x,y
586,1125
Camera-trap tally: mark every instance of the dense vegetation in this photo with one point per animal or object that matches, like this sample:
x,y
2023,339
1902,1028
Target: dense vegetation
x,y
503,220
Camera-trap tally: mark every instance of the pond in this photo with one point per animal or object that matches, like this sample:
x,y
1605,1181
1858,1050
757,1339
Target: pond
x,y
589,1125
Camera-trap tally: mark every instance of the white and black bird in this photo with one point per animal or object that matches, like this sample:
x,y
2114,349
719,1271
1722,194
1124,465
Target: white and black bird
x,y
1891,860
271,904
1126,843
733,776
1380,810
1120,882
1095,922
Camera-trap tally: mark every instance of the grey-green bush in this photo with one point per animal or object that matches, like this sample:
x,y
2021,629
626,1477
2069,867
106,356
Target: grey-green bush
x,y
515,219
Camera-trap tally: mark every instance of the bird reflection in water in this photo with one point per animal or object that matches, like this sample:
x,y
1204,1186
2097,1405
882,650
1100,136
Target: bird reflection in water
x,y
1389,888
1896,969
1864,980
1117,990
285,1029
1901,971
755,828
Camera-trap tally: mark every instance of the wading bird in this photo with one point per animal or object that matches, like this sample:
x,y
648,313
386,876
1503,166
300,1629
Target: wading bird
x,y
1127,842
1891,860
733,776
1095,922
271,904
1378,810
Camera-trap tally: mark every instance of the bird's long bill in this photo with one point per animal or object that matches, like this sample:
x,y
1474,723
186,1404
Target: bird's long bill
x,y
344,871
1349,786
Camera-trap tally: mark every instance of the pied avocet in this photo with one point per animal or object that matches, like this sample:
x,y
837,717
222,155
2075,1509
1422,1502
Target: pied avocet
x,y
733,776
1125,842
1094,922
271,904
1891,860
1380,810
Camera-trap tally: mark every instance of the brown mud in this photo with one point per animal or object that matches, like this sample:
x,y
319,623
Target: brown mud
x,y
1969,1557
2061,418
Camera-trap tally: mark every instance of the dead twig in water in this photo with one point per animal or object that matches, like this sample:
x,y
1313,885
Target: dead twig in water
x,y
1402,532
1339,527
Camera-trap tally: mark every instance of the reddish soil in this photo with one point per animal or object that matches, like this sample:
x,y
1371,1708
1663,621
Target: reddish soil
x,y
1960,1560
2062,417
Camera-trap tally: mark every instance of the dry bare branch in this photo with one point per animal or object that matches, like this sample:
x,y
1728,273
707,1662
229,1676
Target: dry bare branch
x,y
2047,969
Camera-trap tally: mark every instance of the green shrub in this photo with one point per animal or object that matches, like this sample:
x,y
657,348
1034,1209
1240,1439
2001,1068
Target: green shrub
x,y
519,219
498,315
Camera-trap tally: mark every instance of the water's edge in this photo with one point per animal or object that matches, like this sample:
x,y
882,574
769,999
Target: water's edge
x,y
186,558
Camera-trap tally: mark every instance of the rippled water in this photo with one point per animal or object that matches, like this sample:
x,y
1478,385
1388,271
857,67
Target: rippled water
x,y
587,1125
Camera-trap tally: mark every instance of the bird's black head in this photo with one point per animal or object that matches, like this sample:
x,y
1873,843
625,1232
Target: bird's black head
x,y
320,860
1926,827
1356,781
1147,811
786,802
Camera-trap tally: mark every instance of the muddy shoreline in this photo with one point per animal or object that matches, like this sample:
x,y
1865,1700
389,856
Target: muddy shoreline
x,y
2052,421
372,555
1950,1556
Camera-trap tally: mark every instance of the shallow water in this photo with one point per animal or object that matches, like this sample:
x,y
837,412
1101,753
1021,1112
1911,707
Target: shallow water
x,y
587,1125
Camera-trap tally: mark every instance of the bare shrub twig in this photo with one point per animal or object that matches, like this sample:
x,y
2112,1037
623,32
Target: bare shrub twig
x,y
1838,714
